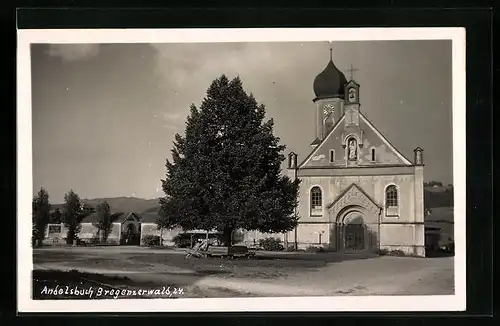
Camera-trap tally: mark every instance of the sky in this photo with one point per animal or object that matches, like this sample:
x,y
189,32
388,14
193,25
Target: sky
x,y
104,115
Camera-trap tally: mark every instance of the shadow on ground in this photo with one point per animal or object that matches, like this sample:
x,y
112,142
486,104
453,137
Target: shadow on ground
x,y
267,265
438,254
60,285
73,284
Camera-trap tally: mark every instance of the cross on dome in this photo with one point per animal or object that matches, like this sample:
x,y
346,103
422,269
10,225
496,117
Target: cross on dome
x,y
351,71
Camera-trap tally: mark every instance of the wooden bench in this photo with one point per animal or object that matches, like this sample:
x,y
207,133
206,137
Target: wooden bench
x,y
224,252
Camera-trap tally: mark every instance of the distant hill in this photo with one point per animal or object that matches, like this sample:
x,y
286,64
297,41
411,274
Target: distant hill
x,y
440,215
438,196
433,197
123,204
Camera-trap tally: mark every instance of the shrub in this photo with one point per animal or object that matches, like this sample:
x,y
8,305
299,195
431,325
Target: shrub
x,y
397,252
450,247
382,252
151,240
291,248
271,244
182,240
315,249
80,242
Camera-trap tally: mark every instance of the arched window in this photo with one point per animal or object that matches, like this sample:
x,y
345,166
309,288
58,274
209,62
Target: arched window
x,y
316,201
373,154
391,200
332,156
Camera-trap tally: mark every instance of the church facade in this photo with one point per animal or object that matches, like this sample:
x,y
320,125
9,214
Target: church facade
x,y
358,192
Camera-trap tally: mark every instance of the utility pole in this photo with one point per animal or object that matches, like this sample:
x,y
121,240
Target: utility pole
x,y
295,209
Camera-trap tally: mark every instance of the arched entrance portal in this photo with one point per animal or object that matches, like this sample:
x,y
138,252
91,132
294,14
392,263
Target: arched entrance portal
x,y
131,235
355,221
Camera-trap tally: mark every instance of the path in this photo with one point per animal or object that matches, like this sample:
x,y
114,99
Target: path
x,y
207,282
381,276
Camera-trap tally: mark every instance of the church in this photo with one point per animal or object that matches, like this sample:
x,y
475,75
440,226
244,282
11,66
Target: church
x,y
358,193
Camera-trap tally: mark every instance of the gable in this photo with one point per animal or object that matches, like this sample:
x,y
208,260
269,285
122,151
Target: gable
x,y
353,196
367,135
386,152
131,218
320,155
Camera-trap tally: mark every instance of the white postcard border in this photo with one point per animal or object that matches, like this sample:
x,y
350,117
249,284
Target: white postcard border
x,y
454,302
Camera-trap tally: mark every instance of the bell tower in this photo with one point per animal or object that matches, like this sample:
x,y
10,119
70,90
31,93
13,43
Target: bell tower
x,y
329,88
352,104
352,138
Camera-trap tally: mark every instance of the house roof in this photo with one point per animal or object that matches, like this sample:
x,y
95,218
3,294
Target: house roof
x,y
118,217
149,217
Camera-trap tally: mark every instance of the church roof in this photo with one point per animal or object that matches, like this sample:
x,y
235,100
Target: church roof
x,y
301,165
376,134
329,83
316,141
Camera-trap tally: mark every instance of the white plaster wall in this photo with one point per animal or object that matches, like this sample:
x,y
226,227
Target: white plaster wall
x,y
89,231
252,237
408,238
374,186
152,229
308,234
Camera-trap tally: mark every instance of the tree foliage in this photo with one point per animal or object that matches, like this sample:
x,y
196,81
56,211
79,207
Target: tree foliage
x,y
225,172
104,224
41,215
72,215
56,216
433,183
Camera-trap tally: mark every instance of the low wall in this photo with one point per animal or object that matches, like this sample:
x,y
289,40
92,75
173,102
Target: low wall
x,y
152,229
55,234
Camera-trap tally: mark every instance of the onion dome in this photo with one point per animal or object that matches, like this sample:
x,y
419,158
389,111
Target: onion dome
x,y
329,83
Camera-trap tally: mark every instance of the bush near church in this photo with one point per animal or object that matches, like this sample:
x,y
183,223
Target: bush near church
x,y
151,240
271,244
182,240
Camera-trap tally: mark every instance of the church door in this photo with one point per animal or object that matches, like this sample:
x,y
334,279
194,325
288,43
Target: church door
x,y
354,237
354,233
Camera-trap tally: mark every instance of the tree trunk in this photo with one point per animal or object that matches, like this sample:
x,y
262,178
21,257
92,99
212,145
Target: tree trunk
x,y
228,238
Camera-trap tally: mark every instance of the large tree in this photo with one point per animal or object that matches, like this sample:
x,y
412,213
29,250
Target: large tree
x,y
225,173
56,216
72,215
104,224
41,215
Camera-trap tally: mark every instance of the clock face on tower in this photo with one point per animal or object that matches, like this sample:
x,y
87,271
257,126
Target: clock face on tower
x,y
352,95
327,109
